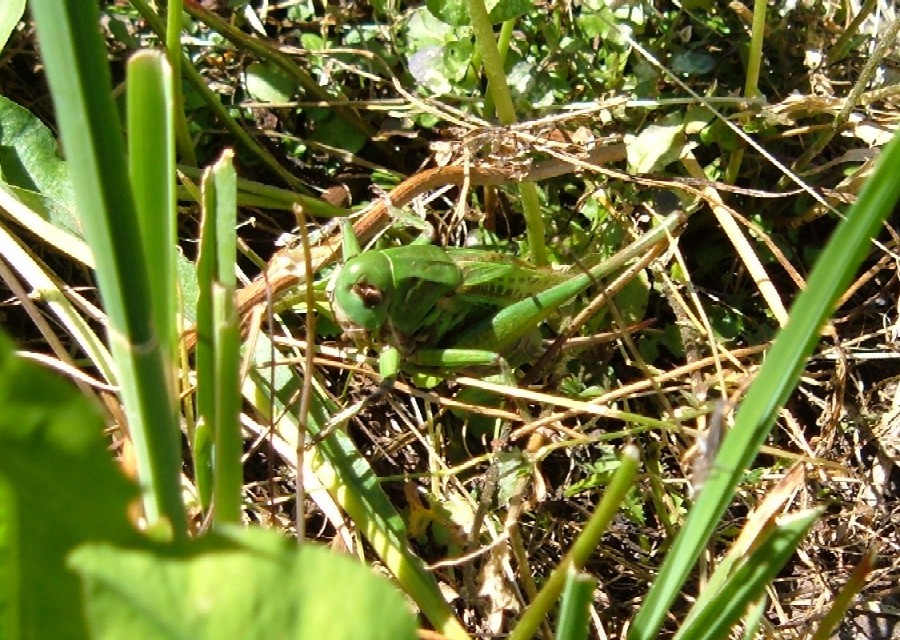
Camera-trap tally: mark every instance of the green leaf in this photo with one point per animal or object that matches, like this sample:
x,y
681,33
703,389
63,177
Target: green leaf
x,y
253,583
61,489
30,163
335,131
457,58
692,63
268,83
453,12
657,146
456,12
503,10
427,67
423,27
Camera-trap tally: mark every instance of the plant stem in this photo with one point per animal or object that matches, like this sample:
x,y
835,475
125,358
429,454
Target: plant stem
x,y
499,91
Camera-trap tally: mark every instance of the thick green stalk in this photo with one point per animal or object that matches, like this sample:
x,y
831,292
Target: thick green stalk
x,y
751,83
217,438
506,31
151,164
754,61
77,71
574,607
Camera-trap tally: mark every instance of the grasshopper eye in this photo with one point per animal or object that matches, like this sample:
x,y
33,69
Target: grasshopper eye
x,y
371,296
362,292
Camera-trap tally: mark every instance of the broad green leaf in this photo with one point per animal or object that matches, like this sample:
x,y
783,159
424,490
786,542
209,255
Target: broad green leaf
x,y
457,58
62,489
423,28
30,162
456,12
267,83
657,146
427,68
10,571
334,131
503,10
692,63
253,583
453,12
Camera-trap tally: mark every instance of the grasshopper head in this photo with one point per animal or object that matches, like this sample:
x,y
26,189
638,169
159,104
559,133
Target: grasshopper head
x,y
361,295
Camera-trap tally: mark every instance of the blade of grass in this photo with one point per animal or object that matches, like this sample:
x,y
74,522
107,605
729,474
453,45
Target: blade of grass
x,y
574,608
773,384
753,618
151,165
174,13
13,207
48,289
217,437
583,547
844,599
347,476
220,187
748,581
205,353
257,194
76,66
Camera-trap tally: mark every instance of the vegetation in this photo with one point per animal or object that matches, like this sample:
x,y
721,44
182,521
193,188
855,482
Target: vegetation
x,y
556,391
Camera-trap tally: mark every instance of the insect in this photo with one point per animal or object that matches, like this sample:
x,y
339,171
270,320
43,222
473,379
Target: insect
x,y
442,309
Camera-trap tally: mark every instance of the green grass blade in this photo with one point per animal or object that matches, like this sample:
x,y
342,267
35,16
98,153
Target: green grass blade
x,y
76,66
174,14
583,547
218,348
202,439
774,383
10,13
574,611
221,186
42,281
151,163
748,581
346,474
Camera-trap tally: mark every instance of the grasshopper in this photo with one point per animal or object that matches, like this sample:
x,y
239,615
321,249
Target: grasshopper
x,y
434,309
428,308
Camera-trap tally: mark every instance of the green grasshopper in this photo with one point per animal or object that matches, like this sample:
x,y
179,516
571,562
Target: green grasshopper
x,y
434,309
427,308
